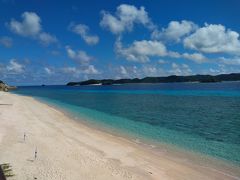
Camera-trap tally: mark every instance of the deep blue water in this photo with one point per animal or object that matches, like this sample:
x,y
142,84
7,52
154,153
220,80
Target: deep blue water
x,y
195,116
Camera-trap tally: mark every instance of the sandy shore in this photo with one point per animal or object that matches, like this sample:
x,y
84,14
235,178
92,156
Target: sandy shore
x,y
71,150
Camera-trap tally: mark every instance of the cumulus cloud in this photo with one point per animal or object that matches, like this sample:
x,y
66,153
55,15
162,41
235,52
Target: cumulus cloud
x,y
70,70
83,31
140,51
79,56
140,72
162,61
48,70
180,69
89,70
214,38
124,19
46,38
196,57
150,70
14,67
30,26
175,31
208,39
6,41
220,69
123,70
230,61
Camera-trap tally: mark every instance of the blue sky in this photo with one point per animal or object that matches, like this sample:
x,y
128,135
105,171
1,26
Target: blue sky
x,y
54,42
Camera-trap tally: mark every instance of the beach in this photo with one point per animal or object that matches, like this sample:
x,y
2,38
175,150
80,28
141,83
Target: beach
x,y
71,150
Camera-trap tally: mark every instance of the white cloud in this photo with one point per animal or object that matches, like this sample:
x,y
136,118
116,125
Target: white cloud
x,y
134,69
138,72
6,41
79,56
30,26
150,70
83,31
91,70
48,70
180,69
214,39
220,69
214,71
47,39
14,67
175,31
123,70
196,57
230,61
174,54
125,18
140,51
162,61
70,70
74,71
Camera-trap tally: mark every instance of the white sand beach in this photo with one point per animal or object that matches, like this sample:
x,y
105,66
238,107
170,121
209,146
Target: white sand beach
x,y
70,150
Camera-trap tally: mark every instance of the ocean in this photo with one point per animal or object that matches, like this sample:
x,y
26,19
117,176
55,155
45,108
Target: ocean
x,y
198,117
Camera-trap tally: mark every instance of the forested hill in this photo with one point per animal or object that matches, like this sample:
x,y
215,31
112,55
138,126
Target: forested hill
x,y
168,79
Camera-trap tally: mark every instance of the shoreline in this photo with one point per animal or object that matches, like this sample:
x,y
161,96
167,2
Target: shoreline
x,y
114,157
148,143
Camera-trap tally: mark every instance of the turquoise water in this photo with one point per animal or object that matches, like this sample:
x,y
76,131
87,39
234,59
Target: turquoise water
x,y
199,117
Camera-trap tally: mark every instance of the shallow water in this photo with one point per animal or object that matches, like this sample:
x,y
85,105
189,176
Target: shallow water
x,y
195,116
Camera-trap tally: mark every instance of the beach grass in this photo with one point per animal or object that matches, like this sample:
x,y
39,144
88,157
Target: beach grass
x,y
7,170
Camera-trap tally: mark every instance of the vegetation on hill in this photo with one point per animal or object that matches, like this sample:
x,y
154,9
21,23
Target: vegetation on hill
x,y
168,79
5,87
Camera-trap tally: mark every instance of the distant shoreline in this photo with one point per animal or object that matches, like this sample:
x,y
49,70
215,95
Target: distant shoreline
x,y
187,82
168,79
